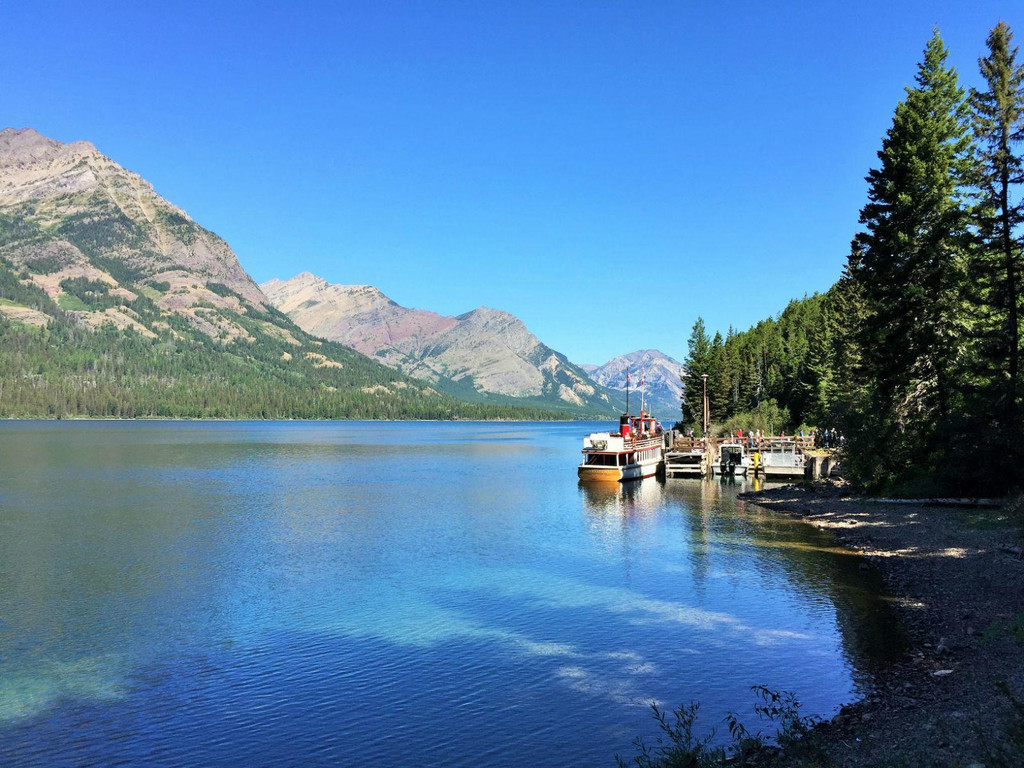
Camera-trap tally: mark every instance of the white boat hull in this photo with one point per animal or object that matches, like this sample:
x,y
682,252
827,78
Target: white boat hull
x,y
739,470
597,473
782,472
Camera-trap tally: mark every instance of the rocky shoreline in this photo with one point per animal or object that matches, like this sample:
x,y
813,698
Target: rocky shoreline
x,y
956,575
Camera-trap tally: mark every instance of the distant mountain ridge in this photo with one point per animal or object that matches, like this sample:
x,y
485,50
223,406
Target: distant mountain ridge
x,y
114,302
661,373
484,354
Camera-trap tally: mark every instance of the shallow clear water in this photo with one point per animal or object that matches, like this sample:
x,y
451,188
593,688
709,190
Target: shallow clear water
x,y
272,594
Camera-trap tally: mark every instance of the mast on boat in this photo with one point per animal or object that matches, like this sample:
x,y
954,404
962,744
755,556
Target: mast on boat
x,y
627,390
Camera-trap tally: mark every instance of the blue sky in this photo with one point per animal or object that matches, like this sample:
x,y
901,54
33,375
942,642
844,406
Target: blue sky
x,y
605,171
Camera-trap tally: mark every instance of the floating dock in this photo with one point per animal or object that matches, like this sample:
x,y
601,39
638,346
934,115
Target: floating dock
x,y
776,457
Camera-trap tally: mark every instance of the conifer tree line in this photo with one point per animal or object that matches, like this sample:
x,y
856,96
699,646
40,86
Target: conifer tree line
x,y
915,353
66,370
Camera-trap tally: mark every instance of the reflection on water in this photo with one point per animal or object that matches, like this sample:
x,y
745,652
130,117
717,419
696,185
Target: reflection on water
x,y
780,548
280,594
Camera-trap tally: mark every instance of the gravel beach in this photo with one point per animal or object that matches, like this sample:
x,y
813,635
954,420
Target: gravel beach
x,y
956,575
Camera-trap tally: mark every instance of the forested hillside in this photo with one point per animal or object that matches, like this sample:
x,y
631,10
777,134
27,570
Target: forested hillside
x,y
61,368
915,353
769,377
113,302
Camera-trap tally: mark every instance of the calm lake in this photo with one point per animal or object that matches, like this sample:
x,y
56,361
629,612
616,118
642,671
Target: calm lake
x,y
391,594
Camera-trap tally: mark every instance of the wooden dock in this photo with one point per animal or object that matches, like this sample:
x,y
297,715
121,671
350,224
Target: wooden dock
x,y
695,457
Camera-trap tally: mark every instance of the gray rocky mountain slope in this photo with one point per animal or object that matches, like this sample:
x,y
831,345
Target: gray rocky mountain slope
x,y
661,373
485,352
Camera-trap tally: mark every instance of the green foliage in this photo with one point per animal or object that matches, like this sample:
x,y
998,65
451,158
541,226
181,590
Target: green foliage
x,y
17,229
26,295
769,377
678,746
700,363
44,265
1013,628
219,288
935,398
791,729
181,227
915,352
993,382
910,264
67,370
72,303
767,417
106,236
91,294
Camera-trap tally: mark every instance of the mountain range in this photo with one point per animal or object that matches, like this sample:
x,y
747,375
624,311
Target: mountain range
x,y
114,302
663,389
483,355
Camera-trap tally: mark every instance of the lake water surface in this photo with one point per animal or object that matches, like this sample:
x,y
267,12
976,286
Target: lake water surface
x,y
396,594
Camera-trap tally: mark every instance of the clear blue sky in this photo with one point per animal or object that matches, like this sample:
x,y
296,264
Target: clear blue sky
x,y
605,171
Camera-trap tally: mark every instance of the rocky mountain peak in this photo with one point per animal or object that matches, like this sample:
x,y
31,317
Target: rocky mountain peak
x,y
18,143
663,387
81,216
306,279
484,316
487,349
306,290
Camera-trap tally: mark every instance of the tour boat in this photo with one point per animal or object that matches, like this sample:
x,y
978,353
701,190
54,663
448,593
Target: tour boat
x,y
636,450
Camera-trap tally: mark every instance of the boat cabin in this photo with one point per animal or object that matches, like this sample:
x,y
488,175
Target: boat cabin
x,y
732,459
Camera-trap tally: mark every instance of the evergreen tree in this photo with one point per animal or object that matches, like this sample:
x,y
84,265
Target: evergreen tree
x,y
718,381
698,362
999,128
722,391
909,264
836,356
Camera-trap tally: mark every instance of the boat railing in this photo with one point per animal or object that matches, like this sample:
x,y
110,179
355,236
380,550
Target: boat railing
x,y
628,443
644,442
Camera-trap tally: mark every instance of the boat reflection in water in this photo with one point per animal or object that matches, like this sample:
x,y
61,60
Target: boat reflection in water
x,y
635,500
646,497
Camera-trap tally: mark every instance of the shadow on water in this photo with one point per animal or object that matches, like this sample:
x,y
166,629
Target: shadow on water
x,y
782,547
269,594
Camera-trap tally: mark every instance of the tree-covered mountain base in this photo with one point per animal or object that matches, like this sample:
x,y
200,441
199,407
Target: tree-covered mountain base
x,y
111,373
62,369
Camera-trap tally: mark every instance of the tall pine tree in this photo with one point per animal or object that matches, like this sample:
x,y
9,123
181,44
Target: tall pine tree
x,y
909,266
699,361
999,128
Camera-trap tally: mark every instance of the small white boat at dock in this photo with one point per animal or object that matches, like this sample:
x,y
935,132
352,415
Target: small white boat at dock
x,y
637,450
781,459
732,460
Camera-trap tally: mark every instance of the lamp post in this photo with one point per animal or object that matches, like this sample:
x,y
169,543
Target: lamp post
x,y
706,414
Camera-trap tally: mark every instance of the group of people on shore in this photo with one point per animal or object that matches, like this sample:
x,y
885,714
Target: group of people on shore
x,y
827,438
